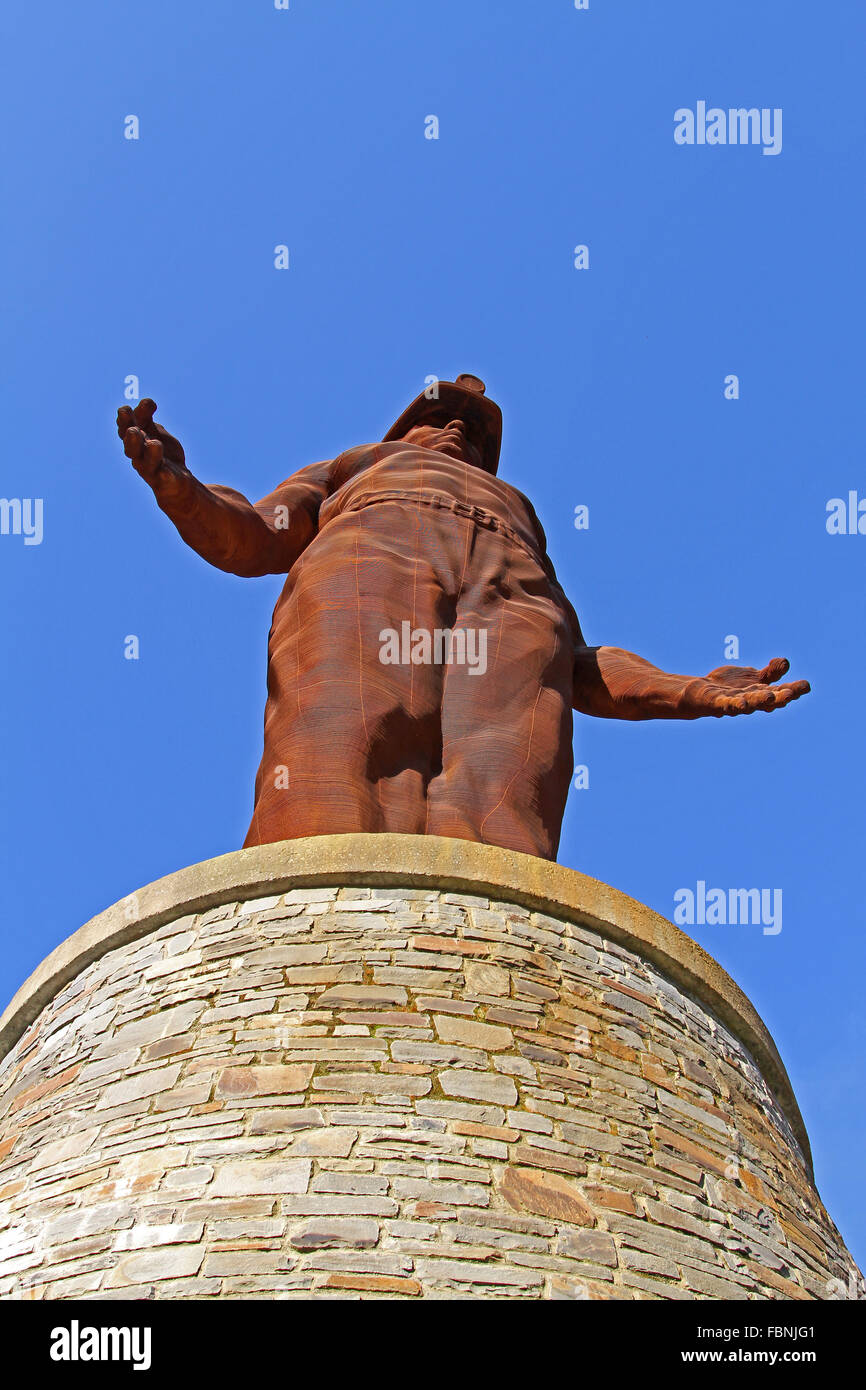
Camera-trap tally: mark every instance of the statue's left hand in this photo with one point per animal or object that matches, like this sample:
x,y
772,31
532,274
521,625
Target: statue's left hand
x,y
612,683
741,690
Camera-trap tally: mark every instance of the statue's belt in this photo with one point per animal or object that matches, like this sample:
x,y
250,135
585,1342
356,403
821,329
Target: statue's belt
x,y
487,520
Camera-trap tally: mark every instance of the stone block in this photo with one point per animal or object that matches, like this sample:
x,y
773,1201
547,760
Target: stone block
x,y
546,1194
262,1175
323,1233
484,1086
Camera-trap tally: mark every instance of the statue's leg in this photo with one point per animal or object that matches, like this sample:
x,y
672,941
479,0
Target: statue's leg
x,y
507,754
351,739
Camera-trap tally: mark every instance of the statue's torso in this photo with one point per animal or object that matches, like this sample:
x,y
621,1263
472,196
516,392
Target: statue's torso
x,y
376,471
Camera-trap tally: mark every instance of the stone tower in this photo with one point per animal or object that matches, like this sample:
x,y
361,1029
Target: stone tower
x,y
385,1066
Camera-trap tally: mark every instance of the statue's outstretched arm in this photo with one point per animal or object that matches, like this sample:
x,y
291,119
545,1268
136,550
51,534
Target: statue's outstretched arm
x,y
219,523
615,684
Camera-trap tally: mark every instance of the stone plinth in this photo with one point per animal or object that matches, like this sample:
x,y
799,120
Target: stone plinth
x,y
395,1066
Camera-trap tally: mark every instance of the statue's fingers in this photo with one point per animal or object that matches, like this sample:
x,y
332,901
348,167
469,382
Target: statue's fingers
x,y
762,698
723,704
774,670
133,443
125,418
153,455
792,691
746,701
144,413
135,446
173,447
752,700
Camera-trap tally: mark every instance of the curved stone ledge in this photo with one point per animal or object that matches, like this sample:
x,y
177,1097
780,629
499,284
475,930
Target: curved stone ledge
x,y
301,1071
413,861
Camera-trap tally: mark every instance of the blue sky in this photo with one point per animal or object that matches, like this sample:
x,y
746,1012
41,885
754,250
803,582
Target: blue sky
x,y
412,257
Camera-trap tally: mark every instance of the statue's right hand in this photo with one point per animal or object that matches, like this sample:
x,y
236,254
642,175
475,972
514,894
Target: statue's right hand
x,y
155,454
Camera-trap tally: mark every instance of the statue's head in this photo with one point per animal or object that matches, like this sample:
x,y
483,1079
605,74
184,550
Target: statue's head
x,y
458,420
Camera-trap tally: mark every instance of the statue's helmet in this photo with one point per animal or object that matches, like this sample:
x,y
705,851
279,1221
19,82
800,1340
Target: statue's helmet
x,y
463,398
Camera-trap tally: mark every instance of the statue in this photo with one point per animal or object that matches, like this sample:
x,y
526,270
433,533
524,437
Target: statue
x,y
423,661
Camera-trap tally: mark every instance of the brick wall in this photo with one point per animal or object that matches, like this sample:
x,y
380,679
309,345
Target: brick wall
x,y
395,1092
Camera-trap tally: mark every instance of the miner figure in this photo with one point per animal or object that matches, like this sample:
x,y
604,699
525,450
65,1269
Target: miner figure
x,y
418,528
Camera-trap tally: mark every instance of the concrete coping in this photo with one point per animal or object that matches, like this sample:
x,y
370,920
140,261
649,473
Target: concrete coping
x,y
413,861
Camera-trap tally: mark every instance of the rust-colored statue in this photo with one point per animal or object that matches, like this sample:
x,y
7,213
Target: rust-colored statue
x,y
423,660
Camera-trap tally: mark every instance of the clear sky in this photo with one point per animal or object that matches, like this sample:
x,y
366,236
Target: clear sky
x,y
410,257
